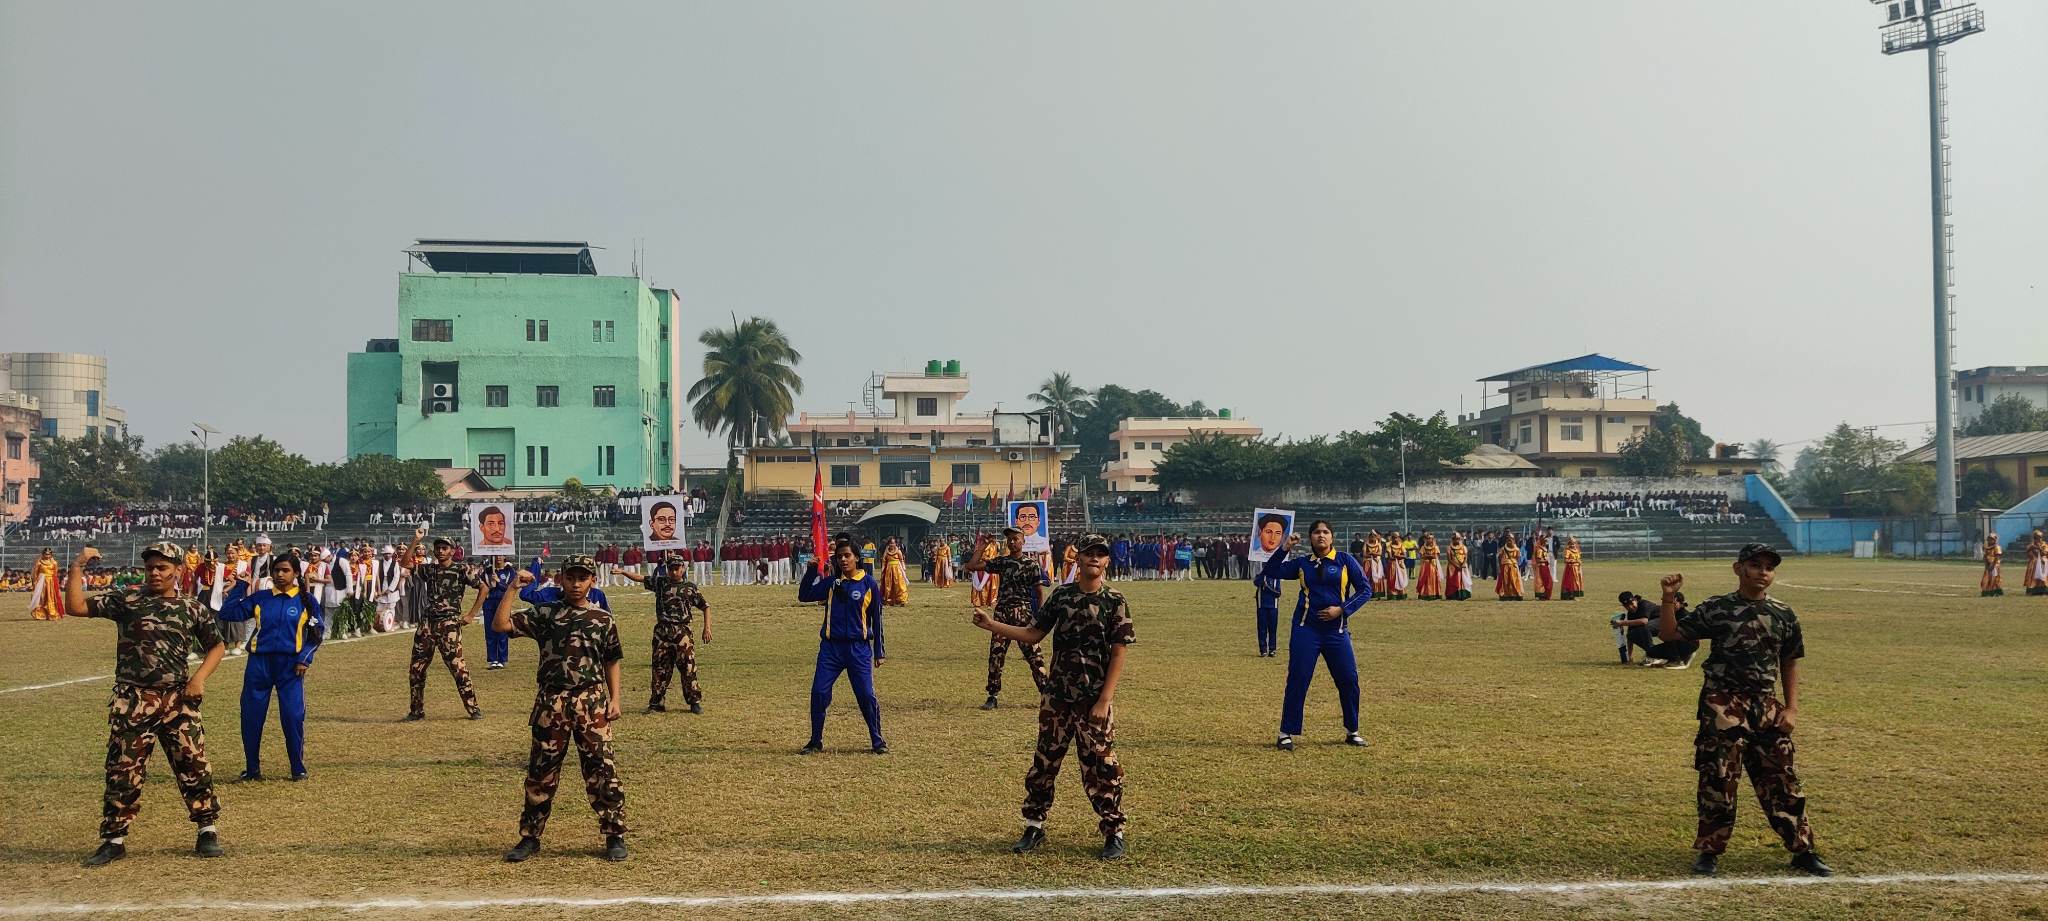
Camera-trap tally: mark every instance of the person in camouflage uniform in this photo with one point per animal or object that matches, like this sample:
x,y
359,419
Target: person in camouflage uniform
x,y
674,596
1018,581
440,626
576,700
1090,626
1757,645
154,700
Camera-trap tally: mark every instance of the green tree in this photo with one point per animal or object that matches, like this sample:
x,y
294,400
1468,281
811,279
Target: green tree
x,y
573,488
93,470
177,471
2009,414
749,384
1692,440
378,479
1765,450
1223,469
1066,399
255,472
1982,487
1855,471
1657,452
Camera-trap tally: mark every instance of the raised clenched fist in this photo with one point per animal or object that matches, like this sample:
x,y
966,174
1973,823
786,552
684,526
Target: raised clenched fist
x,y
1673,583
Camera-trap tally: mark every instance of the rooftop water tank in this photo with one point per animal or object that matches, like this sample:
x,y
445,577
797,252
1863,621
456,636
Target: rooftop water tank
x,y
933,367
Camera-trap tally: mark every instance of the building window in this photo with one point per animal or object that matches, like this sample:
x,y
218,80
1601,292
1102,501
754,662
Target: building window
x,y
1571,428
531,330
906,473
92,403
841,443
433,330
607,460
1158,446
490,464
547,395
967,474
597,331
13,492
608,331
1141,479
1588,471
977,442
664,332
604,395
927,406
14,448
1616,420
845,475
112,432
49,428
497,395
1526,433
2041,471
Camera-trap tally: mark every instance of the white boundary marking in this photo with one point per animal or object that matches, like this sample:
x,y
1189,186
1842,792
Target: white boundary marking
x,y
70,681
1875,591
1378,890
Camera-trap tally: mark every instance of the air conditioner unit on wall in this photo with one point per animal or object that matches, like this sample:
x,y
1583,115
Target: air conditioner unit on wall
x,y
1016,456
442,406
444,390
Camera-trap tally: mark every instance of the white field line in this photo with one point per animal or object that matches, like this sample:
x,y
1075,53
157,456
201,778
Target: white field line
x,y
1873,591
70,681
1381,890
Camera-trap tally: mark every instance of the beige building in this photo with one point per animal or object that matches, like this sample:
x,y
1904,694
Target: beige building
x,y
71,390
913,441
1571,418
1978,388
1141,443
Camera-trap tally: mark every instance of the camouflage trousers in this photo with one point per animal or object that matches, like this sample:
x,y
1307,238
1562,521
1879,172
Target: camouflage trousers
x,y
560,720
1101,776
444,634
674,650
137,719
1721,755
999,649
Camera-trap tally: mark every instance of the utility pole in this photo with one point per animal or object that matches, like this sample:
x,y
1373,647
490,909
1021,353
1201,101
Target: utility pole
x,y
204,433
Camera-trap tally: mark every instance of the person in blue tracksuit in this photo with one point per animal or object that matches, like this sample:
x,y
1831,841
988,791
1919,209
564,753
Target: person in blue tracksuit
x,y
289,625
1266,591
536,592
1333,587
850,641
498,578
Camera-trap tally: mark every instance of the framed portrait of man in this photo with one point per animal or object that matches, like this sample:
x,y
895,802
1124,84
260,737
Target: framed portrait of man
x,y
491,526
1029,516
661,522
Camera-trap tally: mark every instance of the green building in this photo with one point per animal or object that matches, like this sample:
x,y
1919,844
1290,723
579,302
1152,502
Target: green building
x,y
519,361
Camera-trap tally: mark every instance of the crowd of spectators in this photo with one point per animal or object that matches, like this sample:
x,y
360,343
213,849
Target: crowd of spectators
x,y
1693,505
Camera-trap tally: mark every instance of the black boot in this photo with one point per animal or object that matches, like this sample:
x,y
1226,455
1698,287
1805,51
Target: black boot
x,y
1810,864
811,748
615,848
697,708
208,844
527,847
1113,848
248,777
1033,837
108,853
1706,864
990,703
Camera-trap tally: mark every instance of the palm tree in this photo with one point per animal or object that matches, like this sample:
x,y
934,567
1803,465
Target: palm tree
x,y
1066,400
749,386
1765,450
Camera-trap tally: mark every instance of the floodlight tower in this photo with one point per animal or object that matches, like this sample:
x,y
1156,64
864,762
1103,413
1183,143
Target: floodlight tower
x,y
1928,27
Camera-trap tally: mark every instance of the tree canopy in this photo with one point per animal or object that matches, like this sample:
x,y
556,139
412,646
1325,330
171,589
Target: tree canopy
x,y
2010,414
1222,468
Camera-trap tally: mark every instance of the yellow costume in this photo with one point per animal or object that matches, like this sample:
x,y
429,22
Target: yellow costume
x,y
48,601
1574,586
942,565
1994,582
1429,580
895,582
985,583
1508,585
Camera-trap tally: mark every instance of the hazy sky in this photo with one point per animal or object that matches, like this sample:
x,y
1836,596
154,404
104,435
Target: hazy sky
x,y
1312,213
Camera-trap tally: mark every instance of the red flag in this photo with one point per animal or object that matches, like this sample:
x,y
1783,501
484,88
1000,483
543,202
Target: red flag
x,y
948,497
818,547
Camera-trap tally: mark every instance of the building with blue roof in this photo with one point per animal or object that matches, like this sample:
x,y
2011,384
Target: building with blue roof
x,y
1571,418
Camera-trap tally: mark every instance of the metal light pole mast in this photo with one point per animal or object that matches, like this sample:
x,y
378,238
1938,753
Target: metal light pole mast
x,y
1404,484
204,432
1928,28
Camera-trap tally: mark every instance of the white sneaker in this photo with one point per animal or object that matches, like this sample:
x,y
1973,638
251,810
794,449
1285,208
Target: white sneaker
x,y
1678,664
1651,663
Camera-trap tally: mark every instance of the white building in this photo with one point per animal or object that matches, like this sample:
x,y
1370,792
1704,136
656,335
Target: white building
x,y
1978,388
1141,443
71,390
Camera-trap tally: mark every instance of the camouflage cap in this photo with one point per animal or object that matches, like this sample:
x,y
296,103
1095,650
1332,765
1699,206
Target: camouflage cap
x,y
444,541
1013,529
1089,543
1754,551
672,558
583,561
165,549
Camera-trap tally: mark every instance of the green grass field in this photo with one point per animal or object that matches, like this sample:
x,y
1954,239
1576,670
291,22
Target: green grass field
x,y
1507,746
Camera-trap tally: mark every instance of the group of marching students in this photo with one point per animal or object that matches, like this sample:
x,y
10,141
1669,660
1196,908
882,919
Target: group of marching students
x,y
2034,580
1396,566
